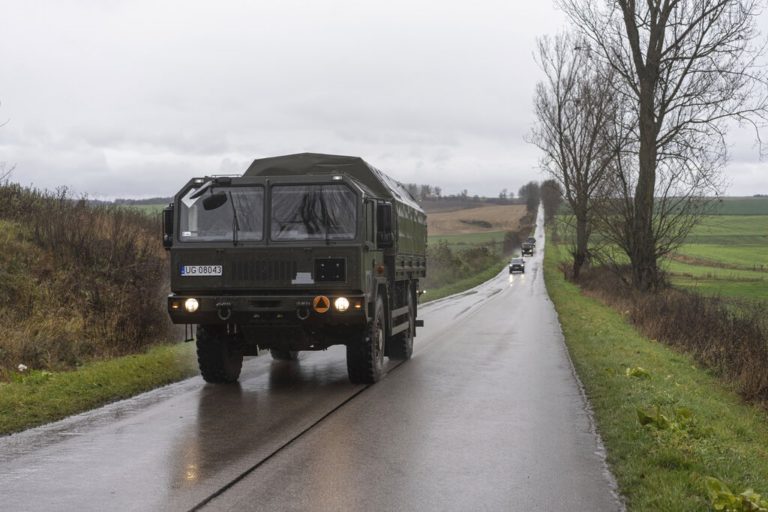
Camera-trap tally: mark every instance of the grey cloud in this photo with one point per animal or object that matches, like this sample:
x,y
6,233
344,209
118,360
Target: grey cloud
x,y
133,98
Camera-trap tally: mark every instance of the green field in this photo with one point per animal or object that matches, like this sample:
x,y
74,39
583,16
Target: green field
x,y
724,255
739,206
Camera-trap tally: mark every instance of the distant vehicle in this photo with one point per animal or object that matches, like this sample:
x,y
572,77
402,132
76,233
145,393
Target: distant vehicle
x,y
299,253
528,249
531,240
517,265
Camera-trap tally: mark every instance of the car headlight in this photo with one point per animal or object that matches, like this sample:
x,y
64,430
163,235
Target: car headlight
x,y
191,305
341,304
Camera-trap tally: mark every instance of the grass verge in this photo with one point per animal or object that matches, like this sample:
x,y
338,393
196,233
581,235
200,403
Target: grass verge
x,y
667,424
464,284
39,397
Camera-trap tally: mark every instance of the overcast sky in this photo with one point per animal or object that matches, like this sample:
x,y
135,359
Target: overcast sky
x,y
132,98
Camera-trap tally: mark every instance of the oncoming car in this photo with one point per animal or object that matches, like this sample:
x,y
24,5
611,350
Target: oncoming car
x,y
517,265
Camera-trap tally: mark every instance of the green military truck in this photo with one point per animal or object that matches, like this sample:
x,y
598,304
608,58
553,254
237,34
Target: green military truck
x,y
301,252
528,249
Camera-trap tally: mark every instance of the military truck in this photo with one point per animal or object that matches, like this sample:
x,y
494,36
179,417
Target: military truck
x,y
301,252
528,249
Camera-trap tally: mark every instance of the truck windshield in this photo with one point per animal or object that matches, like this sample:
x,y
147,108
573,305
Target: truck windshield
x,y
239,216
313,212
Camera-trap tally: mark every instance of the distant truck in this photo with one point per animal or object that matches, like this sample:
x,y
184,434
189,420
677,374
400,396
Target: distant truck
x,y
301,252
531,240
528,249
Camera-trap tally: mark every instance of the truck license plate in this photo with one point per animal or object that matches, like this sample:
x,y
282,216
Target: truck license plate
x,y
201,270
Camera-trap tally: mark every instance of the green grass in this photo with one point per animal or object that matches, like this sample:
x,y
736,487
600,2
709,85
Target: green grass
x,y
715,273
753,290
747,257
730,229
740,206
463,284
38,397
465,240
723,255
726,255
658,469
462,242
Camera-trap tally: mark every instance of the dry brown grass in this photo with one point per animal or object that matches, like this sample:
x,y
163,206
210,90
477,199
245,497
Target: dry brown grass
x,y
477,220
77,282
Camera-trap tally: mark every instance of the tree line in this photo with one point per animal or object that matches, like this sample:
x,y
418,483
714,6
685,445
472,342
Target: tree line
x,y
632,119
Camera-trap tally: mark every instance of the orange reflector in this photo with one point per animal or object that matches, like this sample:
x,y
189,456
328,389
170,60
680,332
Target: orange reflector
x,y
321,304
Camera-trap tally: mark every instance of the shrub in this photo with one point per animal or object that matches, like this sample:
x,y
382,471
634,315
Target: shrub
x,y
446,266
80,280
475,222
730,338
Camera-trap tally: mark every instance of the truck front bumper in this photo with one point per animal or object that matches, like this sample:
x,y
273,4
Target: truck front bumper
x,y
309,309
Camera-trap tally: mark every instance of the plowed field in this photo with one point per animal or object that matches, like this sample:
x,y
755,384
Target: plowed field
x,y
476,220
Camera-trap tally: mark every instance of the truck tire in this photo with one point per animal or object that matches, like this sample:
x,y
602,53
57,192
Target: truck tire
x,y
219,355
365,357
401,344
284,355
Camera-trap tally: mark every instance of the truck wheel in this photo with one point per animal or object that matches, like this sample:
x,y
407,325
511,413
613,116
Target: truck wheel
x,y
365,357
284,355
402,343
219,355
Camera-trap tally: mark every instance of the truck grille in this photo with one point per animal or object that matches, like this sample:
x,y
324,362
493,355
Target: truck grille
x,y
264,271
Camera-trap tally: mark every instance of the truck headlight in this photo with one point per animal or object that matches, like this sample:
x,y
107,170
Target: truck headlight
x,y
341,304
191,305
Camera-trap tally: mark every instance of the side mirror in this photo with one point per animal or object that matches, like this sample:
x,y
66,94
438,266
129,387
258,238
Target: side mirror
x,y
384,236
214,201
168,226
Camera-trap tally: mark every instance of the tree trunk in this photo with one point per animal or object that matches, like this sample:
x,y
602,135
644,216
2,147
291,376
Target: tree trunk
x,y
643,255
582,238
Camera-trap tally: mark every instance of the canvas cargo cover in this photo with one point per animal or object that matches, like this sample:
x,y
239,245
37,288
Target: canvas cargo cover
x,y
316,163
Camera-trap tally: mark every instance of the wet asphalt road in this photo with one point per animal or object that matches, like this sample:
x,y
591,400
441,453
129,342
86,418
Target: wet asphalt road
x,y
488,415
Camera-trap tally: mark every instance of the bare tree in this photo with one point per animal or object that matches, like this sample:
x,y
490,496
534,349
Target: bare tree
x,y
684,68
574,106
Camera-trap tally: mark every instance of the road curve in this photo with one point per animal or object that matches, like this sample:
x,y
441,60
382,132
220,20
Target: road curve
x,y
488,415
